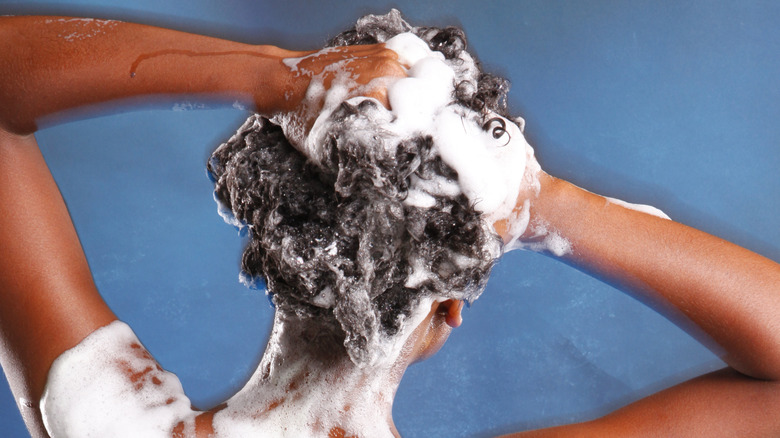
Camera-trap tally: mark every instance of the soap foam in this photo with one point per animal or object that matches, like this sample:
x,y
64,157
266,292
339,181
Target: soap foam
x,y
110,386
647,209
490,170
80,29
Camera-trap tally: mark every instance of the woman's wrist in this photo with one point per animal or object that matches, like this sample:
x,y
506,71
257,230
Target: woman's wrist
x,y
531,225
274,86
544,232
547,216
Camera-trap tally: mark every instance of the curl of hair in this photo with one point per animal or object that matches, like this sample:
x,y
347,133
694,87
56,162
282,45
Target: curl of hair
x,y
337,243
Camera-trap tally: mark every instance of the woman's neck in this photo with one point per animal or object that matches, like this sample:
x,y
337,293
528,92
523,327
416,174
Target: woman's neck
x,y
306,385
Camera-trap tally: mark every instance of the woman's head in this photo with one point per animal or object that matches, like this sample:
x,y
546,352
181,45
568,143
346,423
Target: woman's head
x,y
340,242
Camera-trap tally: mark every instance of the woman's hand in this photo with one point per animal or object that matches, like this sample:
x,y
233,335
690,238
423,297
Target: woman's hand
x,y
323,79
357,66
109,61
521,228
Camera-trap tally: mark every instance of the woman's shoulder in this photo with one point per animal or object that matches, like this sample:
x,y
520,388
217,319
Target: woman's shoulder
x,y
110,385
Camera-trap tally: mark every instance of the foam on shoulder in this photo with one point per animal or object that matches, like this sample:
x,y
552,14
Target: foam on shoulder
x,y
110,386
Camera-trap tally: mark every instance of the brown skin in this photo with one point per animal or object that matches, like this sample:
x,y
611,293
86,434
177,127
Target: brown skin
x,y
49,303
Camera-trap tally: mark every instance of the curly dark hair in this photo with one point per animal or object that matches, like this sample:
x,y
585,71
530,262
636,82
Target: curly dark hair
x,y
335,241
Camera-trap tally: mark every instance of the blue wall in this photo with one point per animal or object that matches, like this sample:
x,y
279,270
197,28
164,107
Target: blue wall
x,y
675,104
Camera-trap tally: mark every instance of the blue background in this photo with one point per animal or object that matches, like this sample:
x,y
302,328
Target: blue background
x,y
674,104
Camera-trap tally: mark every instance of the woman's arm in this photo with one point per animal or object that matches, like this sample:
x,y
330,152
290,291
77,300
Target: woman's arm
x,y
48,300
731,293
55,65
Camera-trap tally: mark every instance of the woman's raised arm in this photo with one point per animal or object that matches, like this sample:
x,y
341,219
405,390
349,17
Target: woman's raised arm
x,y
731,293
48,300
54,64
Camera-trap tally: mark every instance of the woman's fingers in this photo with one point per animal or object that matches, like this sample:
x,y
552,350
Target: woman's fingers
x,y
364,70
384,69
367,61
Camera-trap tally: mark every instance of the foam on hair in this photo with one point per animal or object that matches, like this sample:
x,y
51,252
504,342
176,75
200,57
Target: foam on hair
x,y
339,239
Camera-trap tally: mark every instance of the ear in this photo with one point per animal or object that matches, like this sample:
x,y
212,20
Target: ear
x,y
451,310
520,122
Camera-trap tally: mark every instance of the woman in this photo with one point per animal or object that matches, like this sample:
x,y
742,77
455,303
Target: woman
x,y
745,296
